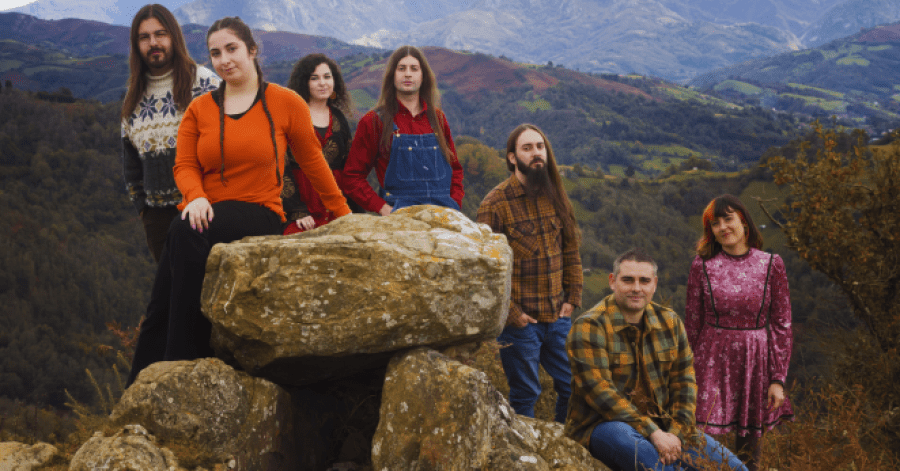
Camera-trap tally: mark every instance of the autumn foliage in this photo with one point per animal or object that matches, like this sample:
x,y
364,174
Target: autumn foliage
x,y
843,218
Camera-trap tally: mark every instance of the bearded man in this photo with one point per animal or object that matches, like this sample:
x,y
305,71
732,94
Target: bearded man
x,y
163,80
532,209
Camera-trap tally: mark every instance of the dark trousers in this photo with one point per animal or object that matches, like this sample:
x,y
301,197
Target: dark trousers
x,y
175,328
156,225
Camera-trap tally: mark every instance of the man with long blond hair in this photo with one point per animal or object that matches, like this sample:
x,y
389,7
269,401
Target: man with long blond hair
x,y
163,81
407,140
532,209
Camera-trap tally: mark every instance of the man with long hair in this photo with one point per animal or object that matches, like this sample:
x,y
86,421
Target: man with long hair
x,y
532,209
407,140
163,80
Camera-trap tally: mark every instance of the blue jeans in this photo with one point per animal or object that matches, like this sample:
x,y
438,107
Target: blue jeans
x,y
542,343
619,446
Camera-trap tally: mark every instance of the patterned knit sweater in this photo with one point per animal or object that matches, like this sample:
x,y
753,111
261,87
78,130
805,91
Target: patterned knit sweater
x,y
148,141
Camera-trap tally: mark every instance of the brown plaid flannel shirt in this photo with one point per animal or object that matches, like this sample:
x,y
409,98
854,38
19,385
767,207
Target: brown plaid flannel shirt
x,y
546,270
605,372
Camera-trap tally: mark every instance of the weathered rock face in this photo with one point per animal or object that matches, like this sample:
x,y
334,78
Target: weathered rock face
x,y
343,298
439,414
222,415
15,456
130,449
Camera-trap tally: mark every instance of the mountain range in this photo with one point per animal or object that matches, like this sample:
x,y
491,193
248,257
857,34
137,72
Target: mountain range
x,y
854,77
671,39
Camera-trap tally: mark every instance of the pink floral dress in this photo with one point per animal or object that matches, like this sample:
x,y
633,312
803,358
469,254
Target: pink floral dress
x,y
738,321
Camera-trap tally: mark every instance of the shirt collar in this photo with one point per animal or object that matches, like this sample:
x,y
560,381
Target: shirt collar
x,y
401,108
651,320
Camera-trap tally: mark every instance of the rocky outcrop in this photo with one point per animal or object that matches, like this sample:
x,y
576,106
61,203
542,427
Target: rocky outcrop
x,y
345,297
361,329
439,414
15,456
222,415
130,449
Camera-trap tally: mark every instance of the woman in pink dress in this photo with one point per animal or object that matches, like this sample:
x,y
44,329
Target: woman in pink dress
x,y
738,321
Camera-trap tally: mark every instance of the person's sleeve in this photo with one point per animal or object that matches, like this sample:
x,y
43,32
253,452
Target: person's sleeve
x,y
188,172
295,207
693,307
780,332
456,183
573,275
308,155
489,213
592,379
682,387
360,161
133,171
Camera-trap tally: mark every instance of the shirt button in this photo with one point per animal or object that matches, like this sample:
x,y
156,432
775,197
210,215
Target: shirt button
x,y
410,148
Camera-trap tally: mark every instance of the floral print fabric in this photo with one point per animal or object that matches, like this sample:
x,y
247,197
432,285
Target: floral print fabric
x,y
738,321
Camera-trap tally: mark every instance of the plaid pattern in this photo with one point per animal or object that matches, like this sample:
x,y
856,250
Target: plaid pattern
x,y
546,270
605,372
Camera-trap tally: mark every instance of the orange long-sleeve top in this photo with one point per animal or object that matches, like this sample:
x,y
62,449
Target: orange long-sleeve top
x,y
249,158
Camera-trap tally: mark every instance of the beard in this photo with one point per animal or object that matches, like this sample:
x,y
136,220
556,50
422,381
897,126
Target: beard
x,y
537,180
157,62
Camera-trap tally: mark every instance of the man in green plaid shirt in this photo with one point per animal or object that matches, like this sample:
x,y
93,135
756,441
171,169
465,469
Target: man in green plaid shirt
x,y
633,389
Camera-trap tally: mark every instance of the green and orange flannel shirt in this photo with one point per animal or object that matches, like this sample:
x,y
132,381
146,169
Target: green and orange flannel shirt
x,y
605,372
546,269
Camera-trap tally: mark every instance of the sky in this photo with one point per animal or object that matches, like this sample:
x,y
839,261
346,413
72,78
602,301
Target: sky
x,y
7,4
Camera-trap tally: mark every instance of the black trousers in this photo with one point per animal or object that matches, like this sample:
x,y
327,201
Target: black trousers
x,y
175,328
156,224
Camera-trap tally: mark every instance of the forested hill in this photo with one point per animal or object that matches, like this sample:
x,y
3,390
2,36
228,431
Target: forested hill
x,y
615,123
857,77
73,255
72,250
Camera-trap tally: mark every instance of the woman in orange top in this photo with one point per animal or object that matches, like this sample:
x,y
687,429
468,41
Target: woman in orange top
x,y
228,168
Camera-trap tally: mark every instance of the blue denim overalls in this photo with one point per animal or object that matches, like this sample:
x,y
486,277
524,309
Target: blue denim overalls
x,y
417,173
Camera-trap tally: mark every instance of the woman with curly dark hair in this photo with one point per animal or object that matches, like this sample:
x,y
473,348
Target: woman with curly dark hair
x,y
317,78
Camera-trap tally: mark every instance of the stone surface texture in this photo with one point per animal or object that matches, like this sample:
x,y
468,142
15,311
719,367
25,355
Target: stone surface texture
x,y
130,449
15,456
439,414
220,414
345,297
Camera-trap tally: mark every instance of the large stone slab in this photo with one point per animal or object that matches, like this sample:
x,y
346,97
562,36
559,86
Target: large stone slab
x,y
220,415
439,414
344,297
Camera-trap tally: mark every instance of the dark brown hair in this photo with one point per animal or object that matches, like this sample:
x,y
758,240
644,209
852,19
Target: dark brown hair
x,y
242,31
634,255
303,70
386,107
184,69
720,206
558,196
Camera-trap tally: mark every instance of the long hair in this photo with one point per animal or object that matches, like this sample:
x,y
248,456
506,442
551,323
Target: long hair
x,y
558,197
303,70
243,32
720,206
386,107
184,69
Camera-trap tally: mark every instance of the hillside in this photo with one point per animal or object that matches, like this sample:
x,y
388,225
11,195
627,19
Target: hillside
x,y
853,78
611,122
